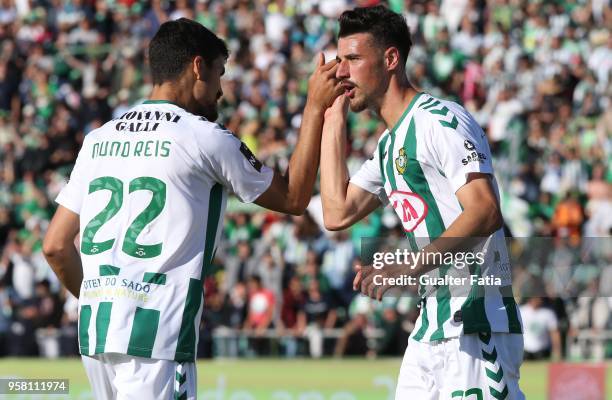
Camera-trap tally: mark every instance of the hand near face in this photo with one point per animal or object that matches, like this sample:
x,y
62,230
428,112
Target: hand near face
x,y
323,87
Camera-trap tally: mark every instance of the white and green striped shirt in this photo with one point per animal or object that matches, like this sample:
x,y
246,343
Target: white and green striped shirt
x,y
417,168
150,188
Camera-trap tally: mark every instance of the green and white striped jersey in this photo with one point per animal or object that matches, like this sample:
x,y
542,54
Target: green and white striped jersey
x,y
150,188
417,168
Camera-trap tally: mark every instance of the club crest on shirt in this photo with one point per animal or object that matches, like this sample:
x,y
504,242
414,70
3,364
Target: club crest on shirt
x,y
401,161
410,207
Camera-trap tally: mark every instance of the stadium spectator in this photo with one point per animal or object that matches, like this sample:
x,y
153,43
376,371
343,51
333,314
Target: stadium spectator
x,y
260,315
49,317
591,314
336,267
317,314
7,298
292,302
541,331
240,267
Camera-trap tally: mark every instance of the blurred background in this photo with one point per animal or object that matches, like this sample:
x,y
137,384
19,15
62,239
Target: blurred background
x,y
536,75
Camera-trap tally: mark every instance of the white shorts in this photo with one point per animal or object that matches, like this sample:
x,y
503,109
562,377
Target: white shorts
x,y
469,367
123,377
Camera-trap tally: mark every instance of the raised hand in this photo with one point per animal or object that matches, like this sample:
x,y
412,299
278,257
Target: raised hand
x,y
323,87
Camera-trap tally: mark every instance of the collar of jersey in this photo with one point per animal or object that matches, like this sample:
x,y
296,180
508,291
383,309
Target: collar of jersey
x,y
160,102
399,122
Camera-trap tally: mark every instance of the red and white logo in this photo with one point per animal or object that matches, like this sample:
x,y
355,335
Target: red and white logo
x,y
410,207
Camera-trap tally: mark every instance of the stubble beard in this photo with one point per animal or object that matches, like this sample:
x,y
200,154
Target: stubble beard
x,y
358,105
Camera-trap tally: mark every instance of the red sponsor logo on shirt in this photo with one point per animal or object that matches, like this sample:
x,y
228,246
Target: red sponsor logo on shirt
x,y
410,207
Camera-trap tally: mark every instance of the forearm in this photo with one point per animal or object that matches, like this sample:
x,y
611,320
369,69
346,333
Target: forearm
x,y
66,263
302,171
334,172
469,229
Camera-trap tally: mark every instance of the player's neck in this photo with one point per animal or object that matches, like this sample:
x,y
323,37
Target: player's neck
x,y
395,101
168,92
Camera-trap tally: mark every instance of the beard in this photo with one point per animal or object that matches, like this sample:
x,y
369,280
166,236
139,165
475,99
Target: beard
x,y
358,104
367,99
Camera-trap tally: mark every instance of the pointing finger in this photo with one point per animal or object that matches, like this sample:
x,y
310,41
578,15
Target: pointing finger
x,y
329,66
321,59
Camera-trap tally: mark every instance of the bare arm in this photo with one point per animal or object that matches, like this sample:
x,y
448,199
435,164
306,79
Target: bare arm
x,y
290,193
60,251
343,203
481,217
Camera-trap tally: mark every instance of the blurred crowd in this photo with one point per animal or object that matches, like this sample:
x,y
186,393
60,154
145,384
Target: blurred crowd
x,y
535,74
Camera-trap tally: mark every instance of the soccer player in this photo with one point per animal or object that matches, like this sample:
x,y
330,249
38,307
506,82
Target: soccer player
x,y
147,196
433,166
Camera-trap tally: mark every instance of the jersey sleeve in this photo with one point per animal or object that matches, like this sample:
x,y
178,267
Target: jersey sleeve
x,y
234,166
460,148
369,178
72,194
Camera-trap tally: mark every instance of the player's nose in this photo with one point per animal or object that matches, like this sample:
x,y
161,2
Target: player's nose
x,y
343,71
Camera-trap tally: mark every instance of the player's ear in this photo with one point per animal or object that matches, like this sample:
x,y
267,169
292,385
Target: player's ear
x,y
198,67
392,58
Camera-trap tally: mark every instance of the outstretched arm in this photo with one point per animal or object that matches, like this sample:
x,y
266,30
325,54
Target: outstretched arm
x,y
343,203
290,193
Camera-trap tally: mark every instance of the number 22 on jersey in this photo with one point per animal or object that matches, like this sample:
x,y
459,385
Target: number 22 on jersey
x,y
153,209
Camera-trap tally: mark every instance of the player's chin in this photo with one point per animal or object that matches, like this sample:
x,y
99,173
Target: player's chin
x,y
357,105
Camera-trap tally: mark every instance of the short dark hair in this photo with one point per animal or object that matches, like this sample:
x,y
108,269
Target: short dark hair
x,y
176,43
386,27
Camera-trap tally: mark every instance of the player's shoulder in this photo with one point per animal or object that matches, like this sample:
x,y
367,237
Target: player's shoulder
x,y
435,110
213,129
442,115
213,134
